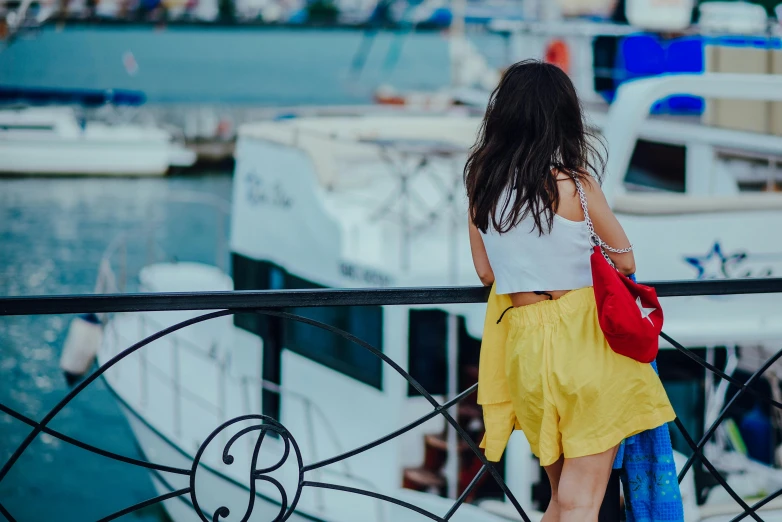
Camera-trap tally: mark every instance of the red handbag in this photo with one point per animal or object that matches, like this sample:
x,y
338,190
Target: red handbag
x,y
630,314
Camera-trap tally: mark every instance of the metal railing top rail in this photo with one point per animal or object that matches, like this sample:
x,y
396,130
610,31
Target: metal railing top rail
x,y
265,299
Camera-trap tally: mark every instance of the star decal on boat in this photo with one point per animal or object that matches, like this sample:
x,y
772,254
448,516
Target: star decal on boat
x,y
715,264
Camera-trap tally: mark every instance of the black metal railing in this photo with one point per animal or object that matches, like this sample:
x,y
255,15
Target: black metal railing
x,y
274,303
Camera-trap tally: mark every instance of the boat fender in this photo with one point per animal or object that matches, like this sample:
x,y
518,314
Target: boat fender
x,y
758,432
81,346
557,53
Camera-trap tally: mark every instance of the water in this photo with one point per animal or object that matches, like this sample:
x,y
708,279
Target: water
x,y
241,66
52,235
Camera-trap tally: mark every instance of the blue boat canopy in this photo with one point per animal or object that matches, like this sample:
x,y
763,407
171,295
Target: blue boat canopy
x,y
85,97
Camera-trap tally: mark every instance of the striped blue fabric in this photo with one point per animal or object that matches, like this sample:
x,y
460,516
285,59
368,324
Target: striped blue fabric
x,y
649,479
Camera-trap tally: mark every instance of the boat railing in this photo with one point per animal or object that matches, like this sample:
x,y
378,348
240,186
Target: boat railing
x,y
314,416
150,326
114,266
275,304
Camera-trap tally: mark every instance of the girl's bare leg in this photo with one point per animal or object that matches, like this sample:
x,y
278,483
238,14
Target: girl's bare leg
x,y
554,472
582,486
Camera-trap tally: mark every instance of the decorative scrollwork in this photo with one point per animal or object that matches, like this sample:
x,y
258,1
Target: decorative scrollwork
x,y
266,425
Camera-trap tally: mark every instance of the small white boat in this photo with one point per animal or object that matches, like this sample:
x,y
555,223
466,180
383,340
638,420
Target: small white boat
x,y
53,140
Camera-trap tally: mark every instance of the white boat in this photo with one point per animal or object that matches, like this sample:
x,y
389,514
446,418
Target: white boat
x,y
52,140
353,202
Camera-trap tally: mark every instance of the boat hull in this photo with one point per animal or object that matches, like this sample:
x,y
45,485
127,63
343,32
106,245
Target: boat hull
x,y
82,157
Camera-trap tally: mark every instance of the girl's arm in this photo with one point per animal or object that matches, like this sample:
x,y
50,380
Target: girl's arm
x,y
479,257
608,228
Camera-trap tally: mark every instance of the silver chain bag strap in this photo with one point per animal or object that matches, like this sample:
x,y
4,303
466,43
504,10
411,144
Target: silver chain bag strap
x,y
593,237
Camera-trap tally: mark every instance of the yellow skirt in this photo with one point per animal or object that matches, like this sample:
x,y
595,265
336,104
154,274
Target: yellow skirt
x,y
571,393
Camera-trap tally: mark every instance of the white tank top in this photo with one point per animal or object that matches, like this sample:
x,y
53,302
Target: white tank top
x,y
525,261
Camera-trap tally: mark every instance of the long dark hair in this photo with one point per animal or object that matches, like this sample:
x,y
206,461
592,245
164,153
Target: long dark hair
x,y
533,125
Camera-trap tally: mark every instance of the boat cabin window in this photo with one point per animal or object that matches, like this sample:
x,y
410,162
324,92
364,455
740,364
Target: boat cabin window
x,y
656,166
428,352
331,350
753,172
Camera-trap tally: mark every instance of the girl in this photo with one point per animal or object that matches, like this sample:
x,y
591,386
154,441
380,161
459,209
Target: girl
x,y
530,178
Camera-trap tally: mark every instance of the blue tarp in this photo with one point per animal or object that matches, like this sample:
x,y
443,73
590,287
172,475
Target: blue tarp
x,y
85,97
643,55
